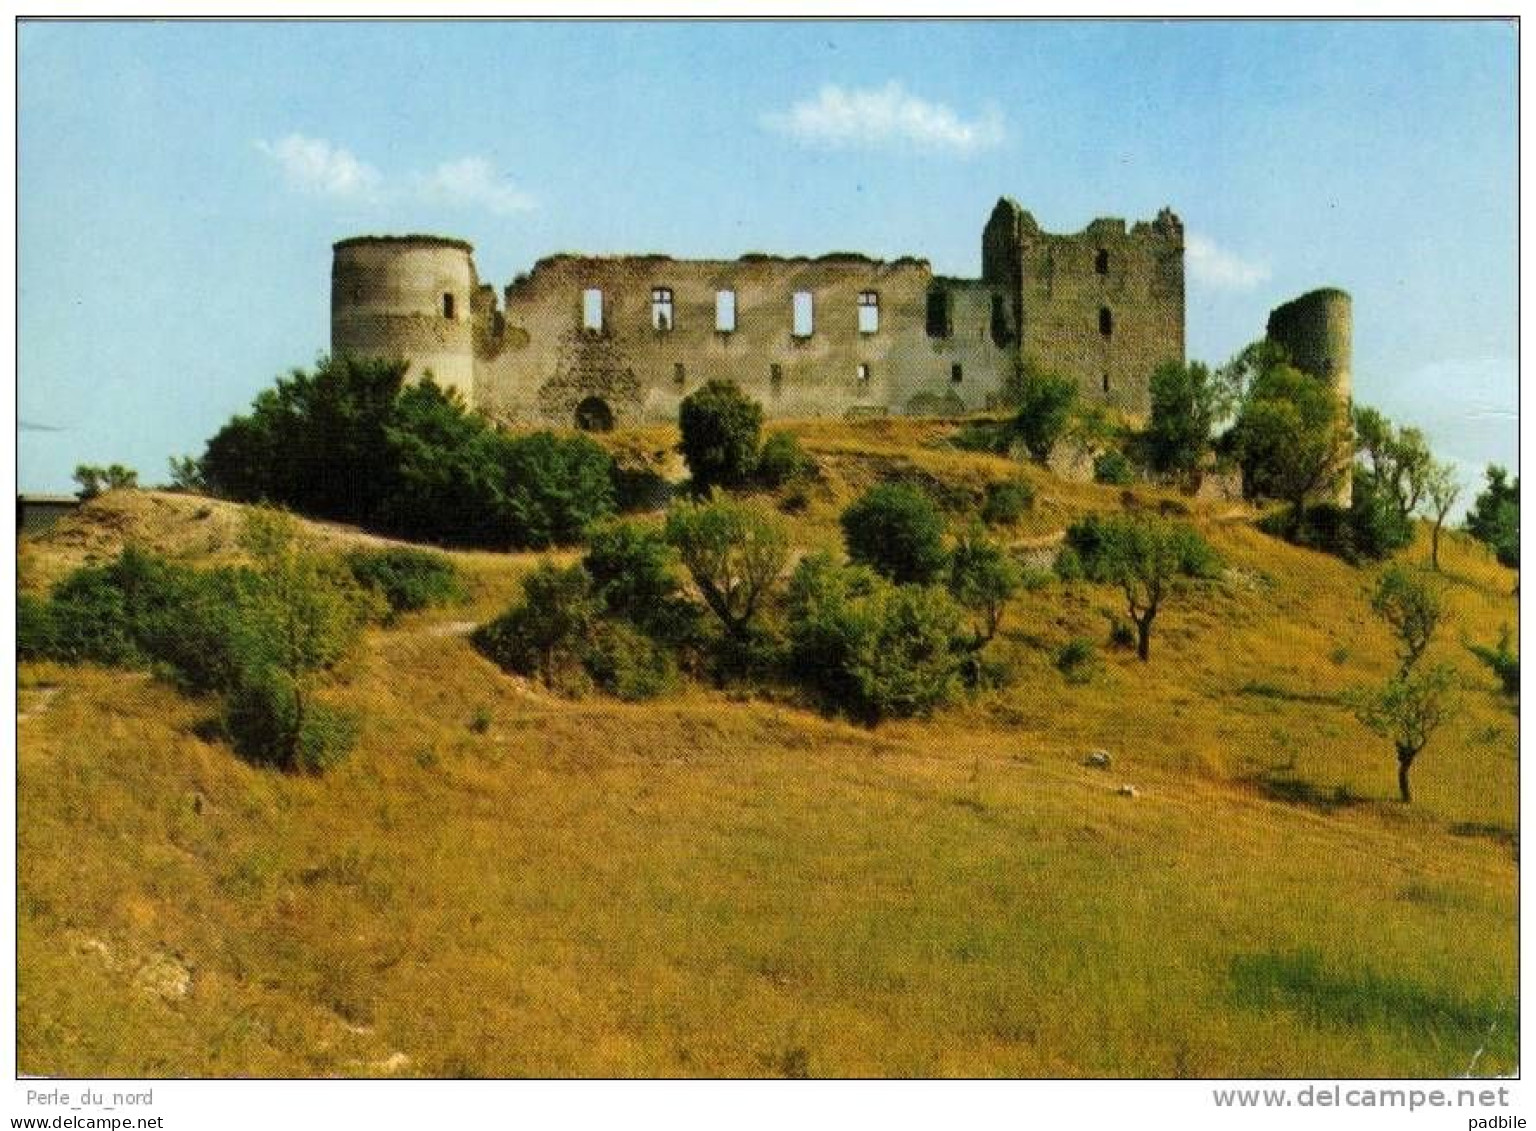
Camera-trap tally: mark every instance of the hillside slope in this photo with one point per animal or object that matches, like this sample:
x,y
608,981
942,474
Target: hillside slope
x,y
500,882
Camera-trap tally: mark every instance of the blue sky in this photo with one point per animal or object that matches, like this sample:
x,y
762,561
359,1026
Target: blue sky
x,y
181,184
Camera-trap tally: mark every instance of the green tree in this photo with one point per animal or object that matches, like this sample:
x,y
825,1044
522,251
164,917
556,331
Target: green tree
x,y
1187,401
315,442
1412,607
1292,440
735,554
1407,712
1442,489
896,529
95,480
1494,518
186,475
1398,458
720,428
982,579
1044,401
1148,557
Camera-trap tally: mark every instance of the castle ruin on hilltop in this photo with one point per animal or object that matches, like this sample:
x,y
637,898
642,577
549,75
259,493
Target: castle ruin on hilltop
x,y
598,342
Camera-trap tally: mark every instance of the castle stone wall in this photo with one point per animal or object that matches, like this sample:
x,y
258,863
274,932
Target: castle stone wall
x,y
940,346
546,362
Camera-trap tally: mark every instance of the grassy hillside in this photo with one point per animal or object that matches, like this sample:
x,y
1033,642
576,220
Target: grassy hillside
x,y
500,882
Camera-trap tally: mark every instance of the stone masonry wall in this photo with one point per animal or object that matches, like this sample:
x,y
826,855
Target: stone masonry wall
x,y
545,362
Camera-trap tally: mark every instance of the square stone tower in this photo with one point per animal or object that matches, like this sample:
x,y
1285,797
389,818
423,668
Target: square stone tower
x,y
1104,306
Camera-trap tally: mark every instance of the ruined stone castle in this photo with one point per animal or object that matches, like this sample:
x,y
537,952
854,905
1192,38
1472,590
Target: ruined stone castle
x,y
599,342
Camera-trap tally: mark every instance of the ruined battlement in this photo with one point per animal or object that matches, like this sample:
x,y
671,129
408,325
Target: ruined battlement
x,y
620,339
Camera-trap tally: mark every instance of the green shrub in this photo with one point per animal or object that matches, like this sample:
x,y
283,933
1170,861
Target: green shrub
x,y
352,441
896,529
271,724
544,634
989,436
1078,659
868,647
1006,502
1122,636
35,632
626,663
1113,468
1069,565
720,428
91,621
556,487
633,572
408,579
1504,662
1044,402
1369,529
782,460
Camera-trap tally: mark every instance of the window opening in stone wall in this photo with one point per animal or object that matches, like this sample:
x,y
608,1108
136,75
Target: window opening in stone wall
x,y
775,377
1106,321
804,320
1000,332
869,312
679,374
661,308
940,324
863,373
448,306
956,373
1101,262
592,309
1106,382
725,312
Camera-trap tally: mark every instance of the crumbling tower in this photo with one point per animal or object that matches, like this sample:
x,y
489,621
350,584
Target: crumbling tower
x,y
1316,331
407,297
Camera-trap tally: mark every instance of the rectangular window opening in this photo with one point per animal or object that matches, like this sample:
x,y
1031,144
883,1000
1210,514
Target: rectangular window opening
x,y
775,377
448,307
592,310
869,312
725,312
863,373
1106,321
1106,382
661,308
804,315
940,317
956,373
679,374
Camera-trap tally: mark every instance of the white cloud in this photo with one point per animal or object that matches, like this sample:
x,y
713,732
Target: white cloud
x,y
881,117
1213,266
314,165
472,182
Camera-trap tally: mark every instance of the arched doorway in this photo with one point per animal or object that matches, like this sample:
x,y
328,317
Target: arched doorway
x,y
594,415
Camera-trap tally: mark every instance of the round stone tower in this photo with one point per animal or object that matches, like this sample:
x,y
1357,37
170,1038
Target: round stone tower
x,y
1316,330
407,298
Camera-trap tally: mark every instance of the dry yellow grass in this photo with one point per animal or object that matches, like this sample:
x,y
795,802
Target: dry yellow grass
x,y
499,882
